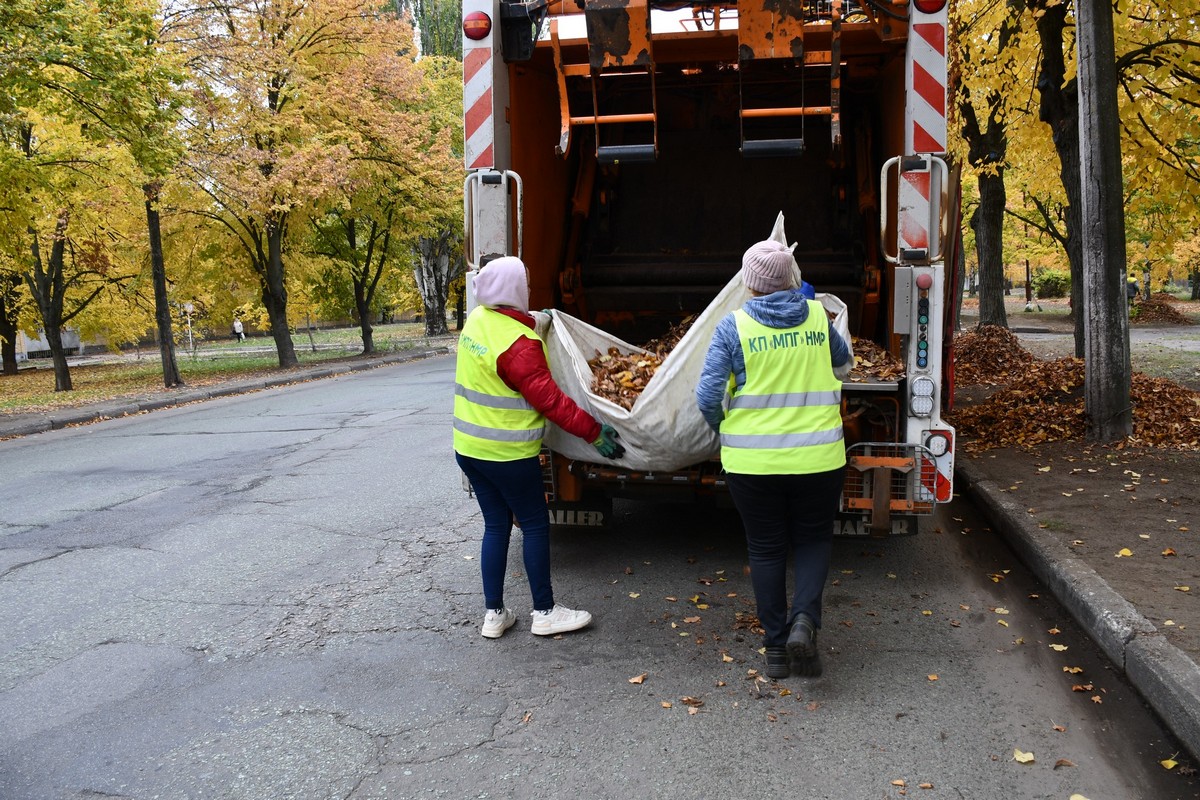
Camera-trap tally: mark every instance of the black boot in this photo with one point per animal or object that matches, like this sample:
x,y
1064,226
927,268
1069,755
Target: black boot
x,y
777,662
802,647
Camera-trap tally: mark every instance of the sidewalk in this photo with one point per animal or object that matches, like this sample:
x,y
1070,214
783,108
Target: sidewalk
x,y
1164,673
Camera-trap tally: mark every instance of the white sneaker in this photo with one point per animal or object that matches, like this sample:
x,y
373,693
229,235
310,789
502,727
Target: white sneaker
x,y
559,619
497,621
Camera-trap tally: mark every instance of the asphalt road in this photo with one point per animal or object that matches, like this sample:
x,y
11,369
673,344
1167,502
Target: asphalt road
x,y
276,595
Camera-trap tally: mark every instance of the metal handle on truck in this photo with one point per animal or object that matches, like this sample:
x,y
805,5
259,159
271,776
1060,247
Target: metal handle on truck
x,y
939,175
498,222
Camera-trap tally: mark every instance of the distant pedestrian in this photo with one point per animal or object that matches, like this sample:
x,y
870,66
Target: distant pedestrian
x,y
1131,289
237,329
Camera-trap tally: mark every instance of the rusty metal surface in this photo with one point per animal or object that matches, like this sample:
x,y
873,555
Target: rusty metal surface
x,y
618,33
770,29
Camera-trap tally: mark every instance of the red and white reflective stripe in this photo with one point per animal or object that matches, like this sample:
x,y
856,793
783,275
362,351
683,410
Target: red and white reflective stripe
x,y
478,108
925,82
913,210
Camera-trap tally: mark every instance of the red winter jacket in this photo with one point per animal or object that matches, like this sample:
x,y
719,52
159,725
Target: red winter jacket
x,y
523,369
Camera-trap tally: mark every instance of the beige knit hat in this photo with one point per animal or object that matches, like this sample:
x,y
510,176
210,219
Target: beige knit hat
x,y
769,267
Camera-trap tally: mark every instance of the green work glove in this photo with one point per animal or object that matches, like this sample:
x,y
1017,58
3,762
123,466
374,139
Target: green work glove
x,y
606,444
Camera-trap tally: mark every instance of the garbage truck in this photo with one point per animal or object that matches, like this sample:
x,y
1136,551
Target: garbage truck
x,y
629,151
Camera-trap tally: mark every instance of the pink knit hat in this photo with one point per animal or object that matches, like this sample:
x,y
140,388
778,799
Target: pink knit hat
x,y
503,282
768,267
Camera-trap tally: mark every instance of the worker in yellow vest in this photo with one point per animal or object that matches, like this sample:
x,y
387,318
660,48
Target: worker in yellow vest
x,y
781,363
503,395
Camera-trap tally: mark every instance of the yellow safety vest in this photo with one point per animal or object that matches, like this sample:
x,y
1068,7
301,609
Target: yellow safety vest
x,y
786,419
491,421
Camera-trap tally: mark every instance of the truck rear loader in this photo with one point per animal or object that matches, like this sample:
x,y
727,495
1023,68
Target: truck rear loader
x,y
629,151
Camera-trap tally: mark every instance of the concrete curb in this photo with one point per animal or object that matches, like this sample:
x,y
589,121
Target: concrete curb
x,y
17,425
1164,675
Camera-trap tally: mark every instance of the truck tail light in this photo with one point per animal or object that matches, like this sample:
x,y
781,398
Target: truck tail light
x,y
921,396
477,25
929,6
939,442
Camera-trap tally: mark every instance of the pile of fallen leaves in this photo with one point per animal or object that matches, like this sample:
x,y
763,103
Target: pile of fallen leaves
x,y
1160,311
621,377
1045,403
989,354
873,363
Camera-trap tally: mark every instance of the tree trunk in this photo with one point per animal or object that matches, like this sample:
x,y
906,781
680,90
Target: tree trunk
x,y
363,307
1059,108
1107,373
46,284
988,223
274,295
433,280
1196,285
9,313
162,308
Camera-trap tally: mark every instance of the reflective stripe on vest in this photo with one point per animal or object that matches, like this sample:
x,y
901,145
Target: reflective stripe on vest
x,y
786,419
491,421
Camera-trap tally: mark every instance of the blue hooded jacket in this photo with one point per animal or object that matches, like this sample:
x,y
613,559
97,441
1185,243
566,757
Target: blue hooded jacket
x,y
785,309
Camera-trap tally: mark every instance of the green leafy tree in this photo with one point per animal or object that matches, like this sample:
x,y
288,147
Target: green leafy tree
x,y
71,71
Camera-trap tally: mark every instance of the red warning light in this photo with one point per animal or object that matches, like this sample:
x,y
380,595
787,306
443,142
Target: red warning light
x,y
477,25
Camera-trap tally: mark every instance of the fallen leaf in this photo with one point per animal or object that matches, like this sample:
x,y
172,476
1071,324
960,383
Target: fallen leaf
x,y
1058,647
899,782
1021,757
1169,763
1060,728
1097,699
1062,762
528,716
1077,797
1170,551
1085,687
1002,622
691,619
932,677
785,692
639,678
635,595
665,704
925,785
694,702
1073,670
726,657
1183,588
671,599
1054,631
1124,552
1000,610
693,710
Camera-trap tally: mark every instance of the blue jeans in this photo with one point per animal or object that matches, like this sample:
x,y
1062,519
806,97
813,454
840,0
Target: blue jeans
x,y
508,490
783,513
